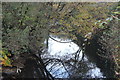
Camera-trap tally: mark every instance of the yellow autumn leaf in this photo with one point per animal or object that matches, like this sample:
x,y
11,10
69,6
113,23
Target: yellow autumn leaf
x,y
1,51
6,62
5,57
1,59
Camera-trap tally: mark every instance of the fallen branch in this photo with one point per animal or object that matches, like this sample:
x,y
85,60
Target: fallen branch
x,y
59,41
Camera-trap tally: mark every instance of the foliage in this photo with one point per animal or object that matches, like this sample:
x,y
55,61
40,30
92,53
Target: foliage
x,y
80,18
23,26
27,25
110,39
4,58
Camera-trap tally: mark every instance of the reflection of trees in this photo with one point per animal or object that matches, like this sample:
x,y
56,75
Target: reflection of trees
x,y
72,66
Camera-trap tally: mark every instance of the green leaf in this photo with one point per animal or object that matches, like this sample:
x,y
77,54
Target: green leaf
x,y
118,7
116,12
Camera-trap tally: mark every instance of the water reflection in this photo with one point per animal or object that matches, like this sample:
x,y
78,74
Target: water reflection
x,y
62,62
62,49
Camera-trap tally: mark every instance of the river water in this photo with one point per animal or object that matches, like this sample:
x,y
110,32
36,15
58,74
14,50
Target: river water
x,y
64,64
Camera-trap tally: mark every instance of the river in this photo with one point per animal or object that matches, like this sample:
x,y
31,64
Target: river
x,y
65,60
